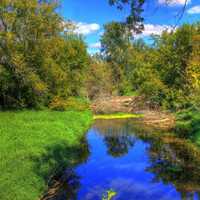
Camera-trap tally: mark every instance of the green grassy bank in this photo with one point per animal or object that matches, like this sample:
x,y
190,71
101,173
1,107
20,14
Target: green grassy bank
x,y
33,145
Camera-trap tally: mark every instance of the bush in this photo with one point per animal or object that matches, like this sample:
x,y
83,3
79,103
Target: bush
x,y
72,103
77,104
58,104
154,90
188,123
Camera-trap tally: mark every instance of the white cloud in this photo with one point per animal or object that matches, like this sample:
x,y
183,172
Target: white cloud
x,y
174,2
96,45
155,29
101,33
194,10
86,29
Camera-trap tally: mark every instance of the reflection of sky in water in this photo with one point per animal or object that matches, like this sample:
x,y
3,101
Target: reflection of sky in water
x,y
126,174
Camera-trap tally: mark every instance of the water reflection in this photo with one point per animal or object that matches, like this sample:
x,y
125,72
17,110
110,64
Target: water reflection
x,y
66,183
177,162
117,138
135,162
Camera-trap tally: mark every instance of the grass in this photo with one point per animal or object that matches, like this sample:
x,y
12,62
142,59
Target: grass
x,y
188,125
33,145
117,116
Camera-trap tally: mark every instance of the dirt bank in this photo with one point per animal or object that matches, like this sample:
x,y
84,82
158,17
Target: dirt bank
x,y
158,120
125,104
152,116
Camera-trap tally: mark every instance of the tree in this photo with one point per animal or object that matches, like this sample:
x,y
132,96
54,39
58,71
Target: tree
x,y
134,22
171,62
193,69
39,58
115,44
99,80
25,28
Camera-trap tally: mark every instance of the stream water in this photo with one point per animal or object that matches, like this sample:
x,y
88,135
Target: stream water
x,y
134,163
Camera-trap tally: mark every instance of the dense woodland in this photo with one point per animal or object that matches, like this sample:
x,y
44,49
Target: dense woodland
x,y
44,63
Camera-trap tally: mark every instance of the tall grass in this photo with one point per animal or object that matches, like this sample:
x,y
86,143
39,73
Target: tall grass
x,y
34,144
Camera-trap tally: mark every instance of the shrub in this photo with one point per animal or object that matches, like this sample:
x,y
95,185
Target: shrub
x,y
71,103
154,90
77,104
188,123
58,104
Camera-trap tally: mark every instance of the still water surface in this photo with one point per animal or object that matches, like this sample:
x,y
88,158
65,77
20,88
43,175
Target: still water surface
x,y
136,166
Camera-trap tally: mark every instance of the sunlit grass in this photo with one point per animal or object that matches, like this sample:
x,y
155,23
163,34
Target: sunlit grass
x,y
33,144
117,116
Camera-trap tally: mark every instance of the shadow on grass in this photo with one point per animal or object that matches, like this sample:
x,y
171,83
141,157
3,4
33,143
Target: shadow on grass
x,y
56,165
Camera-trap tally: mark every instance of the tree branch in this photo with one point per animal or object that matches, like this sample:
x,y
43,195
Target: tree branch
x,y
180,15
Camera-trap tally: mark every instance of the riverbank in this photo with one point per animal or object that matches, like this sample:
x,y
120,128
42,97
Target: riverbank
x,y
119,107
32,147
119,147
35,143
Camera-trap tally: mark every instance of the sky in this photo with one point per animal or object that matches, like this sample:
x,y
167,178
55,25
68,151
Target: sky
x,y
91,15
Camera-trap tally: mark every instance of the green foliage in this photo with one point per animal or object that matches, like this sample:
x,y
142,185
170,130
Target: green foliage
x,y
131,93
99,82
21,47
193,70
171,60
34,146
134,22
39,59
188,124
114,40
44,63
174,50
115,45
60,104
167,73
77,104
153,89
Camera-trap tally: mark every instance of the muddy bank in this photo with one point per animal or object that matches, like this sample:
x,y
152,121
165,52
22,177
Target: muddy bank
x,y
158,120
152,116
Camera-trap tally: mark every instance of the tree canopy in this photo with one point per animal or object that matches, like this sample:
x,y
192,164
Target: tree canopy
x,y
134,21
166,73
43,60
39,59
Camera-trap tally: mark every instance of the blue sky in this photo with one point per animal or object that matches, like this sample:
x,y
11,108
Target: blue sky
x,y
91,15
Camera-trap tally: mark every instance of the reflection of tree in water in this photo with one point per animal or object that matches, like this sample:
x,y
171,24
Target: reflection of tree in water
x,y
119,146
117,136
65,185
176,161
